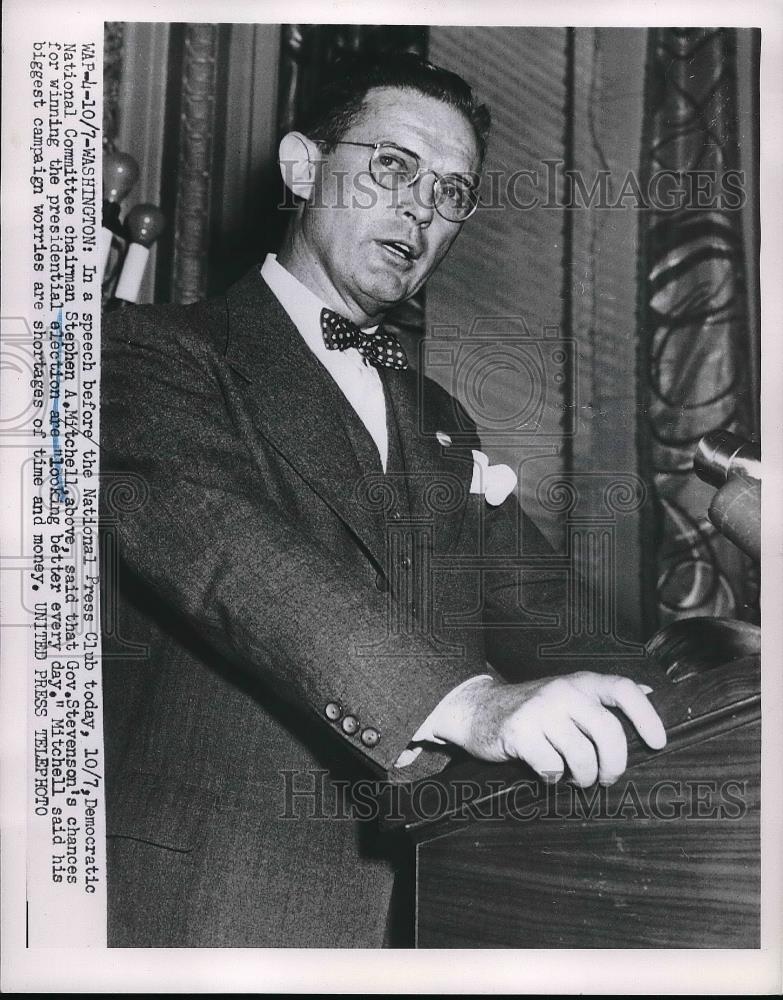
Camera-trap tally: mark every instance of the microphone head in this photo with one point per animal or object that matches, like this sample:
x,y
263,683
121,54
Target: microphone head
x,y
144,223
721,454
120,173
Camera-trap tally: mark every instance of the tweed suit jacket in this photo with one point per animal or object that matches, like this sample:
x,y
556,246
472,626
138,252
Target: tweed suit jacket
x,y
249,583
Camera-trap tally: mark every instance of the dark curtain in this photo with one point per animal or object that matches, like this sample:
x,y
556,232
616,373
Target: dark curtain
x,y
695,337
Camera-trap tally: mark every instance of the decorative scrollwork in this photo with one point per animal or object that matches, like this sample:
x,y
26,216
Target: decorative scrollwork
x,y
691,581
625,494
557,494
379,494
124,492
443,494
694,328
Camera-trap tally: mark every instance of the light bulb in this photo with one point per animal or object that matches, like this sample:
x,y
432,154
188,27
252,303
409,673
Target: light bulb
x,y
120,173
144,224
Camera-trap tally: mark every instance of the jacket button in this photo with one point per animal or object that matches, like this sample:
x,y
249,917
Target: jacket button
x,y
406,562
350,724
396,515
333,711
370,737
380,582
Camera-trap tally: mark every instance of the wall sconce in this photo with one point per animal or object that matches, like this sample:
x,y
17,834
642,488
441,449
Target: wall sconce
x,y
125,243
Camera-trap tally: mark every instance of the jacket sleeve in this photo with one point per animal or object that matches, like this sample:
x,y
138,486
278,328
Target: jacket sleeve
x,y
252,581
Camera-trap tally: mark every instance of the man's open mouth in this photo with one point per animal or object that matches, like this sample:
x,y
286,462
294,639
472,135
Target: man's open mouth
x,y
398,248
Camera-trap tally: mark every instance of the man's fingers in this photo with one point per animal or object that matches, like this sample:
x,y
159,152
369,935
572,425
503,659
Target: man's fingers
x,y
607,734
576,749
627,695
539,753
565,722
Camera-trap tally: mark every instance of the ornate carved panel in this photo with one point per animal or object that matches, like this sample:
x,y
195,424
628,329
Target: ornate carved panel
x,y
112,75
694,337
197,128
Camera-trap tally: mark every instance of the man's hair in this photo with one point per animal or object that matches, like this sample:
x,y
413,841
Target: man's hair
x,y
340,100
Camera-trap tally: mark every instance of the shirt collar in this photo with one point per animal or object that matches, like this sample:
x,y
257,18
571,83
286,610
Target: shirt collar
x,y
302,306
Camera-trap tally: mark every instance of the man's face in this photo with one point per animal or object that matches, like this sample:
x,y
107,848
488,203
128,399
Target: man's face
x,y
348,228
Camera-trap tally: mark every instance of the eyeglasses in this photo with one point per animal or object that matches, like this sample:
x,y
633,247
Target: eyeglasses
x,y
392,167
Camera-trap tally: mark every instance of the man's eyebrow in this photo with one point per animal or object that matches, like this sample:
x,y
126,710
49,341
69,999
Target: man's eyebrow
x,y
397,145
470,177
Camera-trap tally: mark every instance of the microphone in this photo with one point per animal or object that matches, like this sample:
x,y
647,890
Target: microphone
x,y
732,464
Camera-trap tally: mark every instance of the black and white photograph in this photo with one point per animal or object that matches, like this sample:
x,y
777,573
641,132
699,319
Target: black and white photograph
x,y
382,448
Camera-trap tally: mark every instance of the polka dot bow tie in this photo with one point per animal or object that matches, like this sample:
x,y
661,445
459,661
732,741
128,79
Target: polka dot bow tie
x,y
380,349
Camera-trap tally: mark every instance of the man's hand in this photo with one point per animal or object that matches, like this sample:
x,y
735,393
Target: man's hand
x,y
551,724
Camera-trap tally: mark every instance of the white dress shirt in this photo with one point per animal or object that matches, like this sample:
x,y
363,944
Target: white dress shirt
x,y
361,385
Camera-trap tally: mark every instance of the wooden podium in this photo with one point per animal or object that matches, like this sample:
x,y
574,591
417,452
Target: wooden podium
x,y
667,857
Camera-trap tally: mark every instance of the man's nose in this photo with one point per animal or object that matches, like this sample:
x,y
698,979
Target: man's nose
x,y
418,200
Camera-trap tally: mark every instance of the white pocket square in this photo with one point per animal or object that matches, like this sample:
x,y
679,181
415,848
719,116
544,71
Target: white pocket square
x,y
443,438
494,481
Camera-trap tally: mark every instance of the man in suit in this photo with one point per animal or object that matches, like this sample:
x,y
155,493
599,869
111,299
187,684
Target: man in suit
x,y
276,507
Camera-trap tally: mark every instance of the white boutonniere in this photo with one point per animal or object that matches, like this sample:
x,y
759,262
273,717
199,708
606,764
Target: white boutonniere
x,y
494,482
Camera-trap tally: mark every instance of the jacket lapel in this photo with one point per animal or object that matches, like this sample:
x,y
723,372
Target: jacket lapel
x,y
298,407
438,477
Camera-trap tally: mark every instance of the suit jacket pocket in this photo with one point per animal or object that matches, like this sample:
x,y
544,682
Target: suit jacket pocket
x,y
160,811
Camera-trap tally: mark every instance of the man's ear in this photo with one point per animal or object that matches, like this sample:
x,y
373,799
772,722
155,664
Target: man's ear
x,y
299,157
